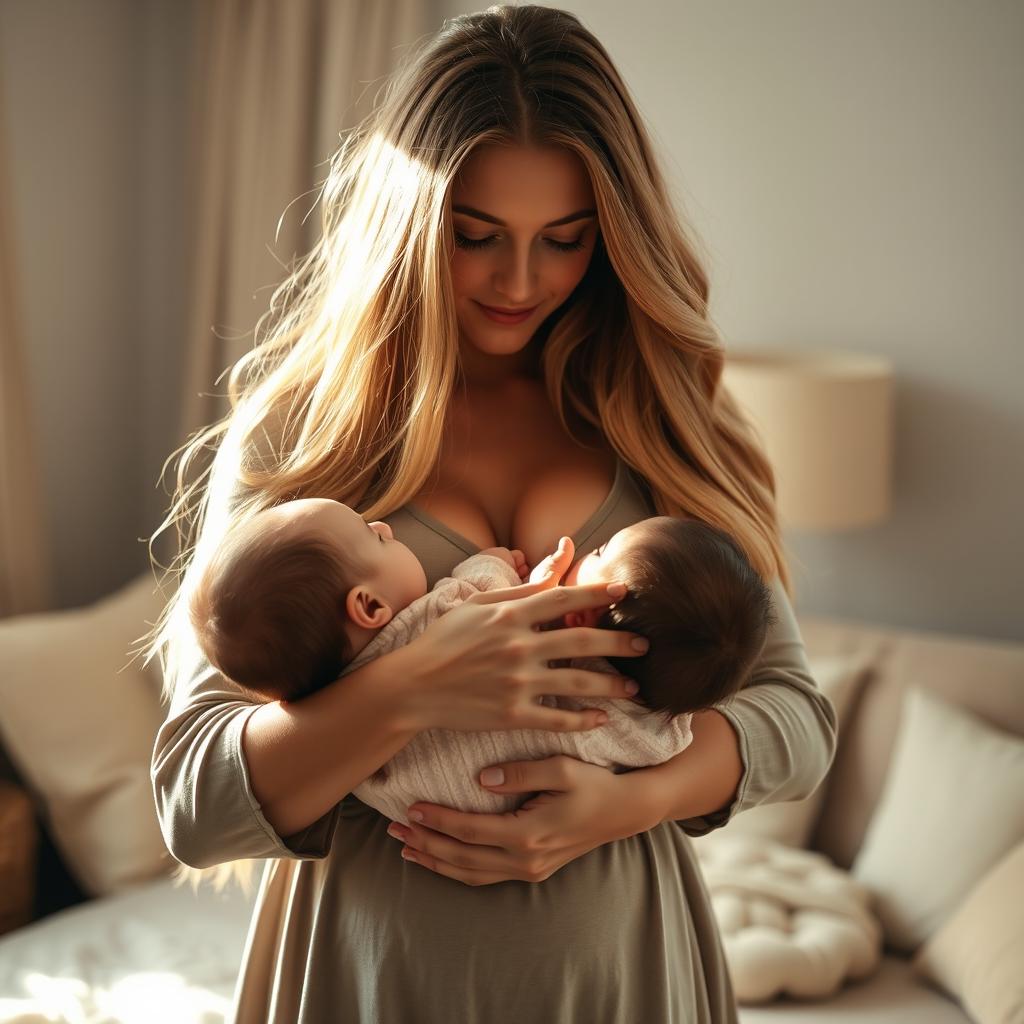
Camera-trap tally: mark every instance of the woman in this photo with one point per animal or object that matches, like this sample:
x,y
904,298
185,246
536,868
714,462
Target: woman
x,y
506,167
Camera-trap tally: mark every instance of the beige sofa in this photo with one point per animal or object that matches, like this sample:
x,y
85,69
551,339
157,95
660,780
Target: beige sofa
x,y
964,893
76,727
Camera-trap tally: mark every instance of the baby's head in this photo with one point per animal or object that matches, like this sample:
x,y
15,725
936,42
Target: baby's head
x,y
694,595
293,594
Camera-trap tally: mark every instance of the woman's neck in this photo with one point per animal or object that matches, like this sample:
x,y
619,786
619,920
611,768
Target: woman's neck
x,y
485,373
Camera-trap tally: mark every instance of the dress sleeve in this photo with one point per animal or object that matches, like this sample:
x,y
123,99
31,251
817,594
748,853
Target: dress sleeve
x,y
785,724
207,811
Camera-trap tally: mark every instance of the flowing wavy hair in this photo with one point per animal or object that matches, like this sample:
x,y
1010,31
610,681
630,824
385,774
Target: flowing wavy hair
x,y
346,389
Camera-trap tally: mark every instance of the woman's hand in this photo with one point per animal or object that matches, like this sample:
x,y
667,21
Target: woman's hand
x,y
580,806
484,665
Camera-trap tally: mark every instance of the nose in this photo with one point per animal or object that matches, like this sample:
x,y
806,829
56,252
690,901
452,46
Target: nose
x,y
385,529
517,281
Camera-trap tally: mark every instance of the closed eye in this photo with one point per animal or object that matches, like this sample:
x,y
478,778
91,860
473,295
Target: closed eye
x,y
481,243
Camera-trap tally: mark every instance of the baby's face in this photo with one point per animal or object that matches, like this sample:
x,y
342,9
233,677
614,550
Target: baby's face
x,y
395,572
599,565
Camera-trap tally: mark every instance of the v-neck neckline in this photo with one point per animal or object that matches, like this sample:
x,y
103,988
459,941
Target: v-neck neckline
x,y
467,545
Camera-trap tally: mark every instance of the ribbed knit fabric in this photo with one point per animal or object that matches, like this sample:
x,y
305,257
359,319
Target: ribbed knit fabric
x,y
442,766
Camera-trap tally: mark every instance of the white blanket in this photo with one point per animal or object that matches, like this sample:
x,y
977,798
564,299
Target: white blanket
x,y
792,922
154,954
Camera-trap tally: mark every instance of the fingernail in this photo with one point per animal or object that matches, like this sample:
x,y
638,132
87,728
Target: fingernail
x,y
616,589
415,815
640,644
492,776
632,689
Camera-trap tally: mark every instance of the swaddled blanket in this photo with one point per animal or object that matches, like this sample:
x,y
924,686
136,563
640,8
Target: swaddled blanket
x,y
442,766
792,922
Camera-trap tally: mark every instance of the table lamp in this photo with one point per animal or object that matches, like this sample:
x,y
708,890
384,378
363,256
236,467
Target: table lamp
x,y
825,419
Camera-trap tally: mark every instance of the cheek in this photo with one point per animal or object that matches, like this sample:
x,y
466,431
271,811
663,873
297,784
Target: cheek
x,y
583,572
570,273
467,275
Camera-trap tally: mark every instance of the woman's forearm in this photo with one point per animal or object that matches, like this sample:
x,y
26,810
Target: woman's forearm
x,y
699,780
305,757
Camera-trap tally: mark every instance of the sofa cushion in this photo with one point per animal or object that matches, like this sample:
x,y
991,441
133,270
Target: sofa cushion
x,y
78,718
949,810
894,995
983,676
978,952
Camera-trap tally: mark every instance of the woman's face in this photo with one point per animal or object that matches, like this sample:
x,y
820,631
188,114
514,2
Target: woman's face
x,y
509,251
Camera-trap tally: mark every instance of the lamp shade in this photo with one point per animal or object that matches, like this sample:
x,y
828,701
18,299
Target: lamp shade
x,y
825,419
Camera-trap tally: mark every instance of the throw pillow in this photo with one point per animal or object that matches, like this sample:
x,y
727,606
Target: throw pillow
x,y
78,722
950,808
976,955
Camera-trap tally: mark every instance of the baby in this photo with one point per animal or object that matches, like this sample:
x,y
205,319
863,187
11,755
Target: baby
x,y
307,591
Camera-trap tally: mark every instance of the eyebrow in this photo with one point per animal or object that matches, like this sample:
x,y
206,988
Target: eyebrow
x,y
469,211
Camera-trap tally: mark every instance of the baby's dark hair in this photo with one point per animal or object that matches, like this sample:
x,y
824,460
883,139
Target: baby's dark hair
x,y
695,596
269,610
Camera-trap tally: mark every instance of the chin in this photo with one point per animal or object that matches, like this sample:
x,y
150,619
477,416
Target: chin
x,y
500,345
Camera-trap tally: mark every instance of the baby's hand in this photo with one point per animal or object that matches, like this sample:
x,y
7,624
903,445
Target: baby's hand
x,y
515,558
552,568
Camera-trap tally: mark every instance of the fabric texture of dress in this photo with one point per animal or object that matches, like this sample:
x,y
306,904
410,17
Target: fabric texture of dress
x,y
442,766
345,930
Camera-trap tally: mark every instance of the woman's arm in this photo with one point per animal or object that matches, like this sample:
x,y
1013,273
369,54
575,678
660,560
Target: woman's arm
x,y
774,740
235,779
229,789
292,749
701,780
784,726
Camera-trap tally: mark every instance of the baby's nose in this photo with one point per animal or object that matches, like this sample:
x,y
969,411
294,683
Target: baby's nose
x,y
385,529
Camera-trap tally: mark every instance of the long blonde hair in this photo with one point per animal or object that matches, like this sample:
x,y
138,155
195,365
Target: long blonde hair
x,y
346,389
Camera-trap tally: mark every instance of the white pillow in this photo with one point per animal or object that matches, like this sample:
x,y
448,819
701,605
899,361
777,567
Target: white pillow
x,y
977,954
950,808
80,733
790,822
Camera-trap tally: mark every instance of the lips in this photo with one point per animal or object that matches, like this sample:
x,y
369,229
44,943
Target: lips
x,y
510,312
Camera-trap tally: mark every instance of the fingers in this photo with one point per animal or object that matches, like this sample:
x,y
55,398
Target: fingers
x,y
578,682
495,830
554,603
590,642
520,564
561,557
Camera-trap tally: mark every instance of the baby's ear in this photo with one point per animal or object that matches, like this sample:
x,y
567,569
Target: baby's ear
x,y
366,610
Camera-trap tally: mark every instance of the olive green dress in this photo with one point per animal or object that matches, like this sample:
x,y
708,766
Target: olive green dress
x,y
344,930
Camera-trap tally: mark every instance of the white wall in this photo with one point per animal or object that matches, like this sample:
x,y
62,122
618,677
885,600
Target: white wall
x,y
855,170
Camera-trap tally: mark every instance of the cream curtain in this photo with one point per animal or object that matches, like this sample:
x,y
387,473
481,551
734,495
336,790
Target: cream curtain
x,y
274,85
25,581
